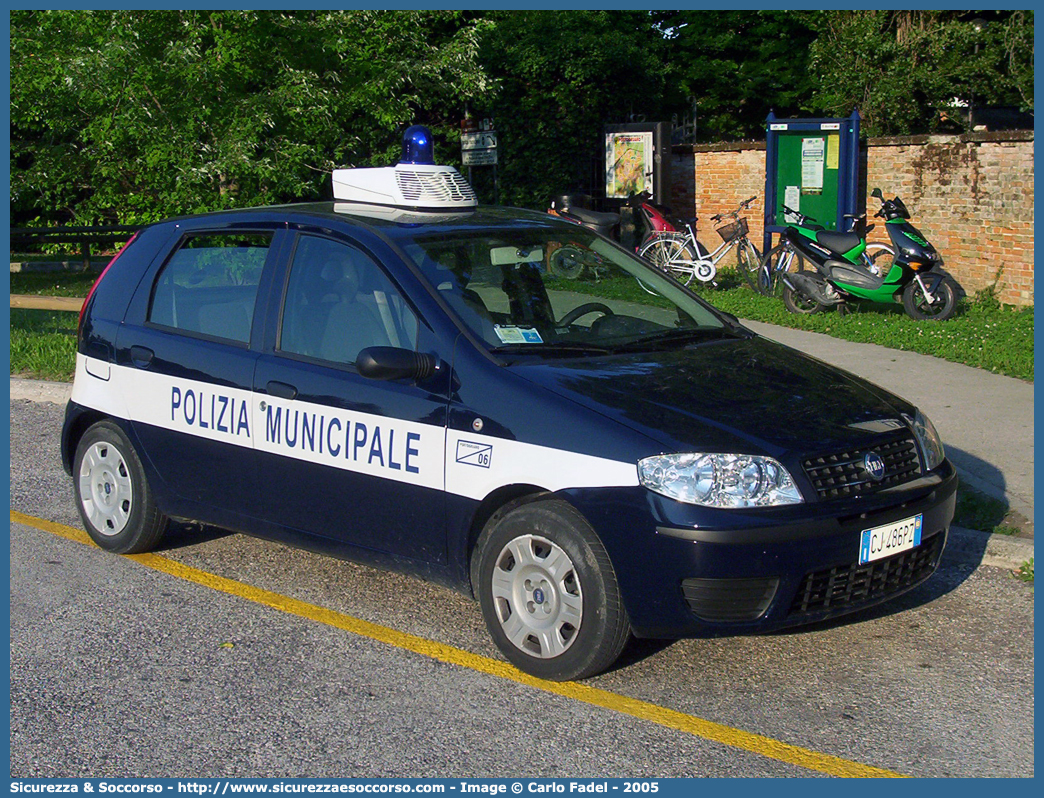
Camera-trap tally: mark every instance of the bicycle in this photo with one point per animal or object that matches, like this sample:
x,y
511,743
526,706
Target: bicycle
x,y
682,256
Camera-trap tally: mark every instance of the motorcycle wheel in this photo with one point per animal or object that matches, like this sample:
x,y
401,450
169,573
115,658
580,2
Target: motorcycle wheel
x,y
566,262
917,306
799,303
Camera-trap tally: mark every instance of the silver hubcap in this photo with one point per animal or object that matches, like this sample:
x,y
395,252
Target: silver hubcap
x,y
105,488
537,596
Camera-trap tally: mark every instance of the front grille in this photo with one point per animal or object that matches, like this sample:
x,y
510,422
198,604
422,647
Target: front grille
x,y
729,599
842,474
848,586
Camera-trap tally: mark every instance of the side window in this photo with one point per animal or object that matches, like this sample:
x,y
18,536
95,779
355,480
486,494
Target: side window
x,y
338,302
209,285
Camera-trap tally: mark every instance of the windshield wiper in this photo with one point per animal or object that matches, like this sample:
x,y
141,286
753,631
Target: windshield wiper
x,y
552,347
669,338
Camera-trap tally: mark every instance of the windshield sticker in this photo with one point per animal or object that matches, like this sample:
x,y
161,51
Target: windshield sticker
x,y
517,335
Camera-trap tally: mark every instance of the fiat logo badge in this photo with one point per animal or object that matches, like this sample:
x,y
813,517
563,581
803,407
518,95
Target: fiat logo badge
x,y
874,466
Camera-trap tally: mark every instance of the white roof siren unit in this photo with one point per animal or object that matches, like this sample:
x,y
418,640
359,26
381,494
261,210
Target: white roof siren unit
x,y
415,182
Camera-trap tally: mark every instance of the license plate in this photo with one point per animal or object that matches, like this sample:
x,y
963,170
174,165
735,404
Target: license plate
x,y
883,541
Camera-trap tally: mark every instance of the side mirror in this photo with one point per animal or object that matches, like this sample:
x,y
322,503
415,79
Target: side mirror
x,y
392,363
876,194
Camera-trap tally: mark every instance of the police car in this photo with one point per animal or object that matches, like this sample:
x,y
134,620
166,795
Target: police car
x,y
501,402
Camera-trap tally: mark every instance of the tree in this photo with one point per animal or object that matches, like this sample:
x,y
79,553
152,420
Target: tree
x,y
562,76
736,66
131,116
904,70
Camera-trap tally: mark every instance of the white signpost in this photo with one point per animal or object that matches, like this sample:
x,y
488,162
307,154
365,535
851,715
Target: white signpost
x,y
479,149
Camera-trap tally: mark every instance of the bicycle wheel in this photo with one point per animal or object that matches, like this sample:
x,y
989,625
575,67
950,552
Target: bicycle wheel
x,y
879,257
779,259
748,262
668,253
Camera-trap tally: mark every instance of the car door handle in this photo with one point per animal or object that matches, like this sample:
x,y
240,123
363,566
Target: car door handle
x,y
141,356
281,390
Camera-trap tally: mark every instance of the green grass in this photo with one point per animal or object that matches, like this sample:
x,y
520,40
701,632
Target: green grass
x,y
984,513
43,344
1025,571
53,283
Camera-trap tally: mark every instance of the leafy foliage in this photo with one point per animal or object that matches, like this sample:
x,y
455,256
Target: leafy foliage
x,y
736,66
128,116
143,114
905,69
562,76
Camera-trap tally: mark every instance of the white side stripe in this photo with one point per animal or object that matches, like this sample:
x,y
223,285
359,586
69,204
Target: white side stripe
x,y
464,464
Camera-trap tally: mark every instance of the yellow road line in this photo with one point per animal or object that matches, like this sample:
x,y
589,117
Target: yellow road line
x,y
716,732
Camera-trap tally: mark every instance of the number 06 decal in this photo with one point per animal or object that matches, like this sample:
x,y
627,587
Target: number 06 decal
x,y
476,454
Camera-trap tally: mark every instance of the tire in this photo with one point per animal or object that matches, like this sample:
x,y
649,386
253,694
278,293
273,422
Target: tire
x,y
112,494
548,592
778,259
796,303
566,262
918,307
748,262
665,252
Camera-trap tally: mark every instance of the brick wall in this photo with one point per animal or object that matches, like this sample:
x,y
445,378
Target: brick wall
x,y
971,195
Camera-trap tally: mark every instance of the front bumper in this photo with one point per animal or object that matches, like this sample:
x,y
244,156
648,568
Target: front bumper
x,y
689,571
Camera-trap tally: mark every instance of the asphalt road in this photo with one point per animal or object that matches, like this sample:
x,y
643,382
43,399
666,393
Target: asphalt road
x,y
118,669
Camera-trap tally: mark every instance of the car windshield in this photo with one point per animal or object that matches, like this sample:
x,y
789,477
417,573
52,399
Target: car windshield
x,y
559,291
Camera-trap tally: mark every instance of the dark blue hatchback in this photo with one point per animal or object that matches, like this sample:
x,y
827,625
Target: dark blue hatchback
x,y
502,402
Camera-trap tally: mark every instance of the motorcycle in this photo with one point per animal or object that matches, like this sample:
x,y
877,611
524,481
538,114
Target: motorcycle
x,y
568,261
844,275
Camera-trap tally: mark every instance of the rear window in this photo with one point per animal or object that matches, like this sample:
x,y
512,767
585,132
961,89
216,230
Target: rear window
x,y
209,285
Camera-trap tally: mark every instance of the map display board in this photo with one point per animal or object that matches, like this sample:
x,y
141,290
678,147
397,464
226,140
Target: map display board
x,y
628,164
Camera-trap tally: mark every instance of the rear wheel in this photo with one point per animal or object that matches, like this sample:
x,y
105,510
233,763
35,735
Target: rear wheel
x,y
112,494
566,262
670,254
942,305
548,592
799,303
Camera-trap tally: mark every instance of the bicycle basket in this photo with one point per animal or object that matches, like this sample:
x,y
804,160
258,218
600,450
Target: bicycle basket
x,y
728,232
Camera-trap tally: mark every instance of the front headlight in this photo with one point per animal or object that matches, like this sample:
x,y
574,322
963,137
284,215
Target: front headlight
x,y
719,480
928,439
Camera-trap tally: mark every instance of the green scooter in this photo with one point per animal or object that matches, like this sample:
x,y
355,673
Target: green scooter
x,y
845,273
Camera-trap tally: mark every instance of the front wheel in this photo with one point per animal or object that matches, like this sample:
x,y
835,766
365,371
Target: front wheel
x,y
548,592
748,262
779,260
112,494
799,303
942,305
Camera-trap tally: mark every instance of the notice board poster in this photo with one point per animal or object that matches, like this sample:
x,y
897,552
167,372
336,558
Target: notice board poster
x,y
813,156
628,164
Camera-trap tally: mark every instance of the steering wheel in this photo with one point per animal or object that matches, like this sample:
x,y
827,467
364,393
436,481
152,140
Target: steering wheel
x,y
583,310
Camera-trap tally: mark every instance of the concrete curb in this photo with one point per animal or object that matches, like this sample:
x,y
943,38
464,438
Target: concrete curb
x,y
57,393
968,545
982,548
